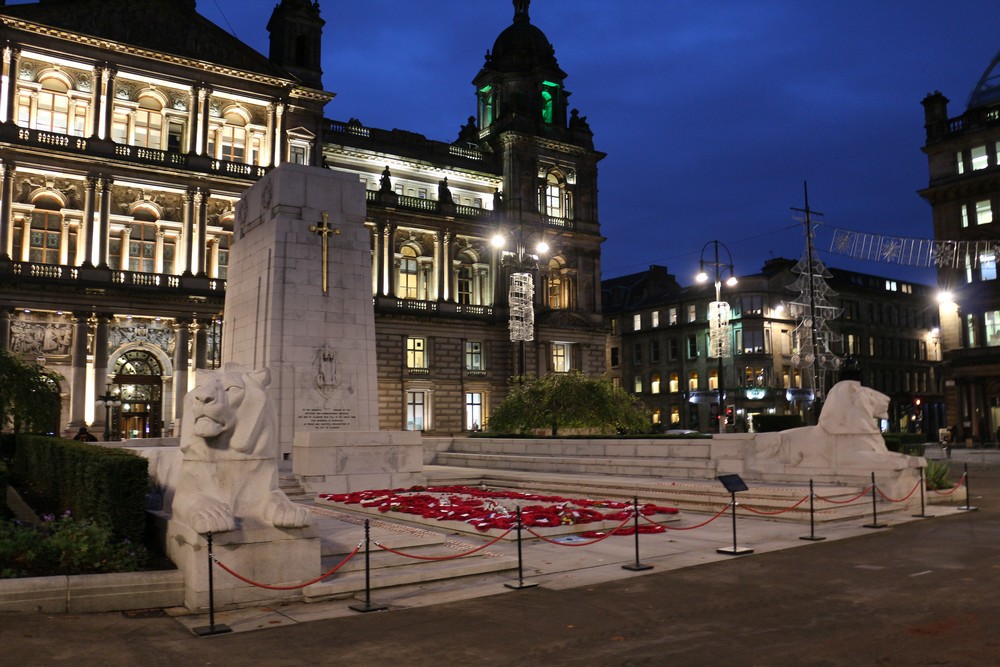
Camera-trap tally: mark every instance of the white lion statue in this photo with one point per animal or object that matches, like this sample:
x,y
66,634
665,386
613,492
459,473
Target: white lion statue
x,y
847,432
229,470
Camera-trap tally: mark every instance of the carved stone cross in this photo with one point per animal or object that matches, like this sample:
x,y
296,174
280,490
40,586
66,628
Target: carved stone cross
x,y
324,230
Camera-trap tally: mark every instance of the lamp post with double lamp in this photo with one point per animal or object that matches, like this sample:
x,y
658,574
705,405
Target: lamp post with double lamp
x,y
521,292
718,313
108,401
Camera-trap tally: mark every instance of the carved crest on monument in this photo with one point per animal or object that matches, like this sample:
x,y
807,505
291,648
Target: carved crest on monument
x,y
325,365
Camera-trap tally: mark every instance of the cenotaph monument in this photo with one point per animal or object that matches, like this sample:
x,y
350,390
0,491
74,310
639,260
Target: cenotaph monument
x,y
299,302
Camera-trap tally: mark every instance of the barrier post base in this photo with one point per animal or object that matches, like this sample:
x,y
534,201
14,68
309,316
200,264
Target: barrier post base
x,y
812,538
637,567
209,630
734,551
367,607
967,508
519,585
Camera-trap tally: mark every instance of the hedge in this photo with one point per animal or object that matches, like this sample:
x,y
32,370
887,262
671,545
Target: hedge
x,y
906,443
108,485
772,423
4,510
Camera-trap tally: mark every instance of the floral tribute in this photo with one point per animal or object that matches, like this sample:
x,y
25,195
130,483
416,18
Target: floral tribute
x,y
488,509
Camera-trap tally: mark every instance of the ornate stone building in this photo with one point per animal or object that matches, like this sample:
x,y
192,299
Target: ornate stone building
x,y
963,156
129,129
659,347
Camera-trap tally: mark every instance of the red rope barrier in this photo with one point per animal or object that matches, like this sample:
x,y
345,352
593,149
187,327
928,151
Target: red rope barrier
x,y
953,489
290,588
452,557
844,502
703,523
904,498
580,544
765,513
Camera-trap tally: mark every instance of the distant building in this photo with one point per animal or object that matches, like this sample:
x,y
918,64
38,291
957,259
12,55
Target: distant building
x,y
963,156
658,347
128,132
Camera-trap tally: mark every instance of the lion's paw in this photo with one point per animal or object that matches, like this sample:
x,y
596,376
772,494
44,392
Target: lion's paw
x,y
283,513
210,515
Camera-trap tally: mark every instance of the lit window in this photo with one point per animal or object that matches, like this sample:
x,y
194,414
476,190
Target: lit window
x,y
692,313
298,153
560,357
636,322
637,384
890,286
988,267
979,160
473,411
407,273
675,415
657,416
984,212
991,318
654,383
415,410
473,356
416,357
46,229
965,216
693,382
655,317
675,383
959,163
713,380
970,330
672,316
148,128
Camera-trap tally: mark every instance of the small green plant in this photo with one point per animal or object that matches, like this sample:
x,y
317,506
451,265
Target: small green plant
x,y
936,476
64,545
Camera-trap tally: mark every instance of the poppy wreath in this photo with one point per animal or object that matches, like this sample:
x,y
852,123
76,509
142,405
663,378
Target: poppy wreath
x,y
483,509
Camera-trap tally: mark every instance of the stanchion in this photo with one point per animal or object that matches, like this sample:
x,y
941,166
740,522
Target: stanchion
x,y
368,606
967,507
812,537
733,483
923,514
874,523
637,566
520,562
212,628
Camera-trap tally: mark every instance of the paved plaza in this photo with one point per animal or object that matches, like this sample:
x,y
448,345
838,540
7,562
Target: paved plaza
x,y
918,592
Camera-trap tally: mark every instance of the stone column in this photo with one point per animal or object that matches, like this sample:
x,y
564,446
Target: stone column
x,y
193,135
11,63
390,259
96,105
108,76
200,343
104,223
78,365
180,371
6,196
201,204
189,228
101,365
89,205
279,142
4,329
268,148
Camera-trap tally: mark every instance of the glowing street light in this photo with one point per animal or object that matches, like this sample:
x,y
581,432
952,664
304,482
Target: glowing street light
x,y
521,295
108,401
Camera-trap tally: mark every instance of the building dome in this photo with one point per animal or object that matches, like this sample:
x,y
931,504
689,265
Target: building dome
x,y
987,90
521,47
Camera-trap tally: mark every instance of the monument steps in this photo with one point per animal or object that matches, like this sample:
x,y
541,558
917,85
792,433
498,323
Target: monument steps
x,y
702,496
292,488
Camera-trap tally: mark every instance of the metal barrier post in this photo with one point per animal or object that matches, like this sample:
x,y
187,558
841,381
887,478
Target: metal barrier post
x,y
874,523
368,606
520,562
812,537
923,514
967,507
637,566
212,628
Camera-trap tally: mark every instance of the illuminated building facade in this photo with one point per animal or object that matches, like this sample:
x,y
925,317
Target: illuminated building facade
x,y
128,131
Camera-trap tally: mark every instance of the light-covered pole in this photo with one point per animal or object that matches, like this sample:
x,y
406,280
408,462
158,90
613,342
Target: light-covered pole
x,y
719,314
521,293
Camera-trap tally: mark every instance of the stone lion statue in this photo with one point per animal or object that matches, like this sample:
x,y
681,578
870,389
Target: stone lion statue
x,y
847,433
229,470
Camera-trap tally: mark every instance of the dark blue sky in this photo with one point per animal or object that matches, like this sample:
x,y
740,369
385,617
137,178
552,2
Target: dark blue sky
x,y
712,113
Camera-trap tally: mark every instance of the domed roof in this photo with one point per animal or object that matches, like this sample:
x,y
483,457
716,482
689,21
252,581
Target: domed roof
x,y
987,90
522,47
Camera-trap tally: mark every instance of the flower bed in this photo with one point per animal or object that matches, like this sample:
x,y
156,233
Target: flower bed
x,y
487,510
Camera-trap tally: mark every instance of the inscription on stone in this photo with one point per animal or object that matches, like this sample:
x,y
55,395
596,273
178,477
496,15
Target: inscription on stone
x,y
322,419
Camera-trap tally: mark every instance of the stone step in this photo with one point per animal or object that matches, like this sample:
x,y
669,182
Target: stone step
x,y
582,448
592,465
292,488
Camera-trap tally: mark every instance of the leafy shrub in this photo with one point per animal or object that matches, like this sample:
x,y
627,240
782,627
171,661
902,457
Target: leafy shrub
x,y
4,511
568,401
936,475
64,545
905,443
108,485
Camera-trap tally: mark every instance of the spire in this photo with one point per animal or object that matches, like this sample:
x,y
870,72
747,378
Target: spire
x,y
521,10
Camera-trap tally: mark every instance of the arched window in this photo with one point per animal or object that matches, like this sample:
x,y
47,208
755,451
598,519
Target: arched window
x,y
408,276
233,138
149,123
138,383
142,247
556,197
45,232
51,106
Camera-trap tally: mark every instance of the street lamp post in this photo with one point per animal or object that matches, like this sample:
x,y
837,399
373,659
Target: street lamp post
x,y
108,401
718,314
521,293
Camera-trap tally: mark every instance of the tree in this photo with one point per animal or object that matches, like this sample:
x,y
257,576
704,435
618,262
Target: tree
x,y
29,396
568,400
